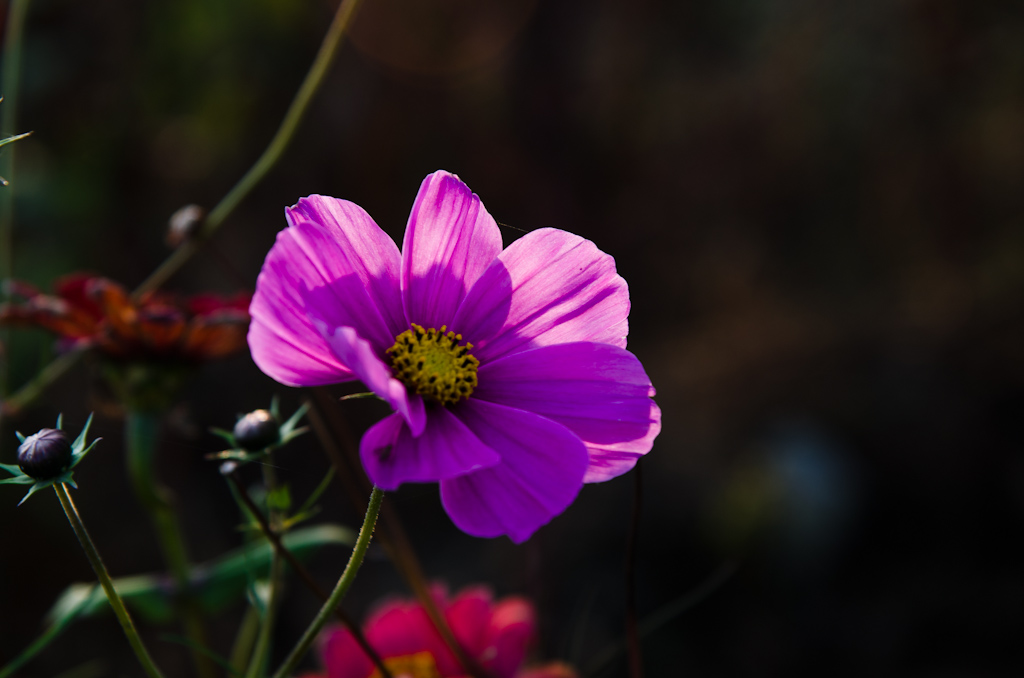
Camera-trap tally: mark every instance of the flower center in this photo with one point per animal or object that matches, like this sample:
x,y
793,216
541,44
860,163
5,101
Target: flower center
x,y
418,665
433,364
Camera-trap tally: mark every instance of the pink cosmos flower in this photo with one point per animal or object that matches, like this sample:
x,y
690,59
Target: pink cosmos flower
x,y
497,635
507,369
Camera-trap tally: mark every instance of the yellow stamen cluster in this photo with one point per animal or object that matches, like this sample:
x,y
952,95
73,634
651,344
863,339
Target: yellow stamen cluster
x,y
433,364
418,665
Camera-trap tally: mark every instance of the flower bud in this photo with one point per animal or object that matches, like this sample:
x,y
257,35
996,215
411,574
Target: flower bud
x,y
184,224
45,454
256,431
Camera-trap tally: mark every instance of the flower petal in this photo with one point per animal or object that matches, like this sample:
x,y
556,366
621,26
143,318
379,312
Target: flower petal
x,y
469,616
541,472
450,240
445,449
508,636
341,655
334,256
356,353
548,287
599,392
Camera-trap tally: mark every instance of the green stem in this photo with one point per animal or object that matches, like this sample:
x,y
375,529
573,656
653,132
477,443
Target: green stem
x,y
262,651
141,429
344,583
314,78
8,120
108,586
245,639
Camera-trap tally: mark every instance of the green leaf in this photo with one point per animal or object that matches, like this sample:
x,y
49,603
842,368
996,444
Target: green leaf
x,y
21,438
279,499
217,583
40,485
80,440
13,469
8,140
226,435
60,421
18,480
69,606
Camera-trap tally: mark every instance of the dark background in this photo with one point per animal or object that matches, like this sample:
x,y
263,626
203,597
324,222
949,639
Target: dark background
x,y
818,209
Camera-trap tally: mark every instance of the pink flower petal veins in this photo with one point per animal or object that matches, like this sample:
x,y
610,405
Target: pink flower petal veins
x,y
445,449
540,474
598,391
449,242
356,353
334,256
548,287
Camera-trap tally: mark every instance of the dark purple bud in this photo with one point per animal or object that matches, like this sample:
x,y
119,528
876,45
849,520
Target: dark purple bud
x,y
256,431
45,454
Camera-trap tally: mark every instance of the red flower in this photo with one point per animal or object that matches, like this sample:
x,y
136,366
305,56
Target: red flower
x,y
495,634
97,312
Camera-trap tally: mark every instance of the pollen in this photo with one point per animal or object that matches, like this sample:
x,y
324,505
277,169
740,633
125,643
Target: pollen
x,y
434,364
418,665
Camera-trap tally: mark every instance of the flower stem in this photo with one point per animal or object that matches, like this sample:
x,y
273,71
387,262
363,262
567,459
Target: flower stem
x,y
258,660
333,434
8,119
108,586
307,579
141,430
344,583
314,78
328,48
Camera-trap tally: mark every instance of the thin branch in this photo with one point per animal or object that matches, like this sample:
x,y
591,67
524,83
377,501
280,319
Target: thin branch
x,y
304,574
338,594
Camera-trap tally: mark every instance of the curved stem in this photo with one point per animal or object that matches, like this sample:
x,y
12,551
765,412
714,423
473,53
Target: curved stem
x,y
344,583
141,429
307,579
276,580
108,586
8,119
328,48
314,78
334,435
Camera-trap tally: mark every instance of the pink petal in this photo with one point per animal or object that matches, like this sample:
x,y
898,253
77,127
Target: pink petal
x,y
541,472
341,655
335,257
444,449
548,287
599,392
357,354
469,616
403,628
449,242
552,670
509,636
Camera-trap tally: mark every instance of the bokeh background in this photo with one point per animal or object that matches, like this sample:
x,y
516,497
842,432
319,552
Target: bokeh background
x,y
818,207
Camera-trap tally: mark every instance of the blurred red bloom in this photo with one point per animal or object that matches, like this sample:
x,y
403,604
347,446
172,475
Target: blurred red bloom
x,y
495,634
90,311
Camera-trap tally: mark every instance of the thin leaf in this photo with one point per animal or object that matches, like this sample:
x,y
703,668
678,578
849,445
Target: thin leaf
x,y
80,440
35,488
60,421
21,438
320,489
70,610
18,480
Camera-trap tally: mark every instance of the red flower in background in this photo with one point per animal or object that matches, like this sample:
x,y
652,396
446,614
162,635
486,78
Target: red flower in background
x,y
90,311
496,635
